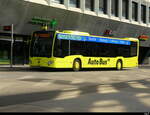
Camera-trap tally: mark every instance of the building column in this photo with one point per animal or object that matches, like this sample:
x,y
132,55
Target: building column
x,y
109,8
130,10
120,9
139,11
147,13
96,7
82,4
66,3
50,2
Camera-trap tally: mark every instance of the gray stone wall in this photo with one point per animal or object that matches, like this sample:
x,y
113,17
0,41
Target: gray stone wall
x,y
20,13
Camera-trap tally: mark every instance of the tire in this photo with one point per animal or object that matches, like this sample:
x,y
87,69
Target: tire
x,y
77,65
119,65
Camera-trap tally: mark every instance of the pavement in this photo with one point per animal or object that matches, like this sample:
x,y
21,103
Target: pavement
x,y
101,90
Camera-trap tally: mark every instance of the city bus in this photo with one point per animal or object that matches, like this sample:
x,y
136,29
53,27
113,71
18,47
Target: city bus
x,y
77,50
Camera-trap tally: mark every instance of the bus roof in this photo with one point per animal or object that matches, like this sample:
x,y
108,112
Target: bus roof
x,y
76,32
132,39
129,39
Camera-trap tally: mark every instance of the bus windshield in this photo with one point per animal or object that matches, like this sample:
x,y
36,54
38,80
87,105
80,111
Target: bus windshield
x,y
41,44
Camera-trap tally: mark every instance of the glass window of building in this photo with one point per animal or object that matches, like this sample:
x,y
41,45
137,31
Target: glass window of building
x,y
74,3
149,14
134,11
58,1
143,13
89,5
125,8
103,6
4,51
114,7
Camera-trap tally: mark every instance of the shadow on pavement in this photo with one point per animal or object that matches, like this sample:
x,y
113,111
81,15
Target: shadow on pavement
x,y
100,99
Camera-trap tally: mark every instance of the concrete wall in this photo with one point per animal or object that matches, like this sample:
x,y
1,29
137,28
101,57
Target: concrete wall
x,y
20,13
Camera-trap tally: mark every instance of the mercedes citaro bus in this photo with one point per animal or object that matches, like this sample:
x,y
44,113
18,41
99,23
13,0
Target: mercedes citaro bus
x,y
77,50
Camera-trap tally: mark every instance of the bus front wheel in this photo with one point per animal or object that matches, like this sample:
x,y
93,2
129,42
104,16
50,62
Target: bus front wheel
x,y
119,65
77,65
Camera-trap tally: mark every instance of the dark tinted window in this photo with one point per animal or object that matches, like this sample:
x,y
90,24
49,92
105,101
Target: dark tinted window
x,y
58,1
149,14
133,49
93,49
143,13
41,45
114,7
74,3
61,48
78,48
134,11
89,5
125,8
103,6
4,50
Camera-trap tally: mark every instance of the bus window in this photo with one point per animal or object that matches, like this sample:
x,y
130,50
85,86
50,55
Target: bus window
x,y
133,49
41,45
61,48
78,48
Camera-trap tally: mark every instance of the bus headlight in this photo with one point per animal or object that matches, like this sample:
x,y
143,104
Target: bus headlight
x,y
50,62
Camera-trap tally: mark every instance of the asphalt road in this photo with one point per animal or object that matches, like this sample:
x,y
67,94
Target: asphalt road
x,y
101,90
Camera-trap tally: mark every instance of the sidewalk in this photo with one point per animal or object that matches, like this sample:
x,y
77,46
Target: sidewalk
x,y
14,68
15,65
144,66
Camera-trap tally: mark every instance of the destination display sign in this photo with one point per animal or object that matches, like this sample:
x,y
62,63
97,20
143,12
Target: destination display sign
x,y
42,35
92,39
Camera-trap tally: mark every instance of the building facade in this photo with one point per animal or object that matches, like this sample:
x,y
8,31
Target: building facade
x,y
125,18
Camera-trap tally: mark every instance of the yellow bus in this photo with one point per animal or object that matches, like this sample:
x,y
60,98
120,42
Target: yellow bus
x,y
77,50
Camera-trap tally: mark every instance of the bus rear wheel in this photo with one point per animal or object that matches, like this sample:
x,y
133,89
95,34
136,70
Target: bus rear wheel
x,y
77,65
119,65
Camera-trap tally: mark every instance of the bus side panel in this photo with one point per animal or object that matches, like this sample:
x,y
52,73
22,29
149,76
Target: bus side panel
x,y
62,62
50,62
34,62
87,62
66,62
98,62
130,62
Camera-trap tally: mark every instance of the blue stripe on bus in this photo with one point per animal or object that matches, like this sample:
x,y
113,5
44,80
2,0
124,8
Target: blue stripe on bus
x,y
92,39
